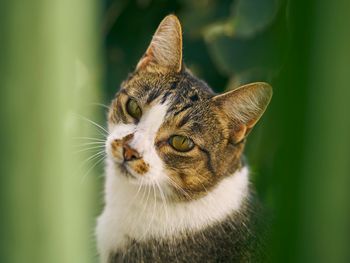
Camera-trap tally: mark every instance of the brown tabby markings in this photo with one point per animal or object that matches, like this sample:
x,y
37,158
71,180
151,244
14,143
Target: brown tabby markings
x,y
217,124
120,147
190,113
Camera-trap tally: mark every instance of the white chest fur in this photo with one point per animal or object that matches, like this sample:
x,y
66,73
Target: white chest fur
x,y
139,214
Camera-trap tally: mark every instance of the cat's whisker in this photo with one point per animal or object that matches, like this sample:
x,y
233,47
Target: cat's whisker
x,y
126,216
154,210
96,160
89,143
101,105
144,195
145,204
179,188
146,207
99,126
105,132
78,148
144,192
88,138
89,149
92,157
138,190
173,183
87,146
205,189
92,167
163,197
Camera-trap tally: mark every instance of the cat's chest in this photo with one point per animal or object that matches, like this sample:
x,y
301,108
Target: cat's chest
x,y
148,217
140,215
227,241
122,223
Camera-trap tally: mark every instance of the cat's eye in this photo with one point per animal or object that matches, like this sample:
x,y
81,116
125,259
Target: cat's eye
x,y
181,143
133,109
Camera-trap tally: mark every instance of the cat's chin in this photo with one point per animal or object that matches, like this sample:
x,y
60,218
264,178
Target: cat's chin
x,y
122,169
126,171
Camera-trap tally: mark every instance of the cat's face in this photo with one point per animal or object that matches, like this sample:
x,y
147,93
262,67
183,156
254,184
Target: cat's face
x,y
167,128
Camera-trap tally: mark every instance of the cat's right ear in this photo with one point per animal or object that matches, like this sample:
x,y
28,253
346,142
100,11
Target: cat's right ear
x,y
242,108
165,49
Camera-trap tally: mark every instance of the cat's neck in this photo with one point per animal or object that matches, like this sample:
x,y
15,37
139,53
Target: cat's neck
x,y
131,213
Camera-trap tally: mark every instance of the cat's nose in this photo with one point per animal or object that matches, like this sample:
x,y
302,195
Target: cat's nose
x,y
129,153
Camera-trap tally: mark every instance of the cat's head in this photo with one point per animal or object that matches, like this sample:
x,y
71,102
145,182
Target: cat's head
x,y
167,127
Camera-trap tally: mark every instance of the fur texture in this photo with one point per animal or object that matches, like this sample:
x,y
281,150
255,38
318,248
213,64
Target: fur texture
x,y
141,215
237,238
162,204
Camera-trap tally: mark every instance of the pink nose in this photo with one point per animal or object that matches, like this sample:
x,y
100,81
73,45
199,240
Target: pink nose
x,y
129,153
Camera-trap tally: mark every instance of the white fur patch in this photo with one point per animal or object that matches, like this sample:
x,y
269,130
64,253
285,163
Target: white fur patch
x,y
140,214
143,141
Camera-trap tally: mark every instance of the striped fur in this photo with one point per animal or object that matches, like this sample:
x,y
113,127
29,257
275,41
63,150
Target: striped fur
x,y
165,205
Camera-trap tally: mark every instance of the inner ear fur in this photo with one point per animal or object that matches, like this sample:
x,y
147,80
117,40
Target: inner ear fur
x,y
165,49
243,107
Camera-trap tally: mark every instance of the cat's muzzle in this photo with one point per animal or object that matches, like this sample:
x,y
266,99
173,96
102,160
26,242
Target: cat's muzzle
x,y
131,160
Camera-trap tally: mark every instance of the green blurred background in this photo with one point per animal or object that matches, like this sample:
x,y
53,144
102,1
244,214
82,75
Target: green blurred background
x,y
62,61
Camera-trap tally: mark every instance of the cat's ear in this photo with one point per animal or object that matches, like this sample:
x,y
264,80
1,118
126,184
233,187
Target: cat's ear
x,y
165,49
243,107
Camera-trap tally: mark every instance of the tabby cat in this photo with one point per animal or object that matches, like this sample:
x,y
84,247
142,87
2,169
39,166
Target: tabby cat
x,y
177,188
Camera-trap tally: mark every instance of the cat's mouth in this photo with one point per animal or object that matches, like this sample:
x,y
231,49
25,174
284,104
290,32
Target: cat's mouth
x,y
126,170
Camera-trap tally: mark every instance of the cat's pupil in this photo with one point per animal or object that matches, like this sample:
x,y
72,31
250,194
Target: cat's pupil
x,y
181,143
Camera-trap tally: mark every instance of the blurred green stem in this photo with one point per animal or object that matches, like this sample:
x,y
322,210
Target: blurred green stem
x,y
325,197
45,209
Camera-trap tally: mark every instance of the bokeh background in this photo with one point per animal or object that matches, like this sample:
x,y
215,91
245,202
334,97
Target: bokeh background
x,y
61,62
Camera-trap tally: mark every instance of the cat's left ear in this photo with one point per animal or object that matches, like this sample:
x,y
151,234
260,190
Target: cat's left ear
x,y
165,49
242,108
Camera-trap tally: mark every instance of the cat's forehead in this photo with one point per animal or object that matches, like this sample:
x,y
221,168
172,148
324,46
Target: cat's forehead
x,y
179,91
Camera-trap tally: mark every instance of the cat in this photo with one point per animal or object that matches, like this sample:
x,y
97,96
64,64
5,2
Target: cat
x,y
176,187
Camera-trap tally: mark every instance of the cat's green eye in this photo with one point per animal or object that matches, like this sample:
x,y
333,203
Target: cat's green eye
x,y
181,143
133,109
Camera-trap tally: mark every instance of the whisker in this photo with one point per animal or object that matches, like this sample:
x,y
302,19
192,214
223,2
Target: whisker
x,y
100,104
134,198
172,182
89,138
90,148
148,194
145,205
164,202
95,124
140,186
102,152
143,195
89,144
154,210
205,189
138,190
94,165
